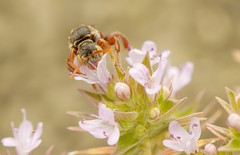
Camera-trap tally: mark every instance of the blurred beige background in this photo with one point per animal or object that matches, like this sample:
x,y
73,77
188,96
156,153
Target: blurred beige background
x,y
33,48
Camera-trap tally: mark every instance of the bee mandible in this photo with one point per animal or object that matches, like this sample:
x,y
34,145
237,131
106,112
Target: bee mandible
x,y
87,46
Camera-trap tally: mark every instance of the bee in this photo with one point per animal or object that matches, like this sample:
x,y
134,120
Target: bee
x,y
87,46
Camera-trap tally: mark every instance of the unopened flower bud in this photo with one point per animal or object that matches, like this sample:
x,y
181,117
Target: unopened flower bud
x,y
166,92
234,121
237,98
210,149
154,113
122,91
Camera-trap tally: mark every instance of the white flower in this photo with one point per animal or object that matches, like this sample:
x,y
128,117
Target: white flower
x,y
137,56
178,78
183,140
99,76
104,126
141,74
25,139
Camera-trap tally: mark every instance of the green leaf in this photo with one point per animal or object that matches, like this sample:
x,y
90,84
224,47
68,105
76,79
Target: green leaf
x,y
225,105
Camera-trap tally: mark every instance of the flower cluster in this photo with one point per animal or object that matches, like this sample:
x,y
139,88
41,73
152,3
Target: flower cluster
x,y
139,111
135,106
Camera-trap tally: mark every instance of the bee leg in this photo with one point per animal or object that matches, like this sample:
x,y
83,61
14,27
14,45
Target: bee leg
x,y
107,48
104,43
77,70
111,39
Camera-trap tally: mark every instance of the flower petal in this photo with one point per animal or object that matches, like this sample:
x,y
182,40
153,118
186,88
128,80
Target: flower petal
x,y
184,76
98,128
195,128
135,56
175,145
37,133
149,46
89,77
34,145
153,90
114,137
102,71
177,131
139,72
105,113
24,131
158,74
9,142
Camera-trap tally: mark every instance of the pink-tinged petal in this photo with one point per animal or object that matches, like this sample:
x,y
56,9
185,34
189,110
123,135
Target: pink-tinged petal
x,y
135,56
114,137
184,76
89,77
153,90
191,146
105,113
102,71
98,128
25,130
165,54
84,78
151,47
38,132
140,73
175,145
158,74
9,142
34,145
170,76
177,131
195,128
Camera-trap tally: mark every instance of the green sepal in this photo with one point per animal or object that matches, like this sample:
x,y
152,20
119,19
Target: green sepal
x,y
175,107
220,131
232,146
225,105
126,116
110,90
95,96
232,100
235,133
146,62
126,143
166,106
120,73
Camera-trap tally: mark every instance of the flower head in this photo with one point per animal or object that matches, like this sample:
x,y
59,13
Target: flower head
x,y
24,140
183,140
137,56
99,76
104,126
151,83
